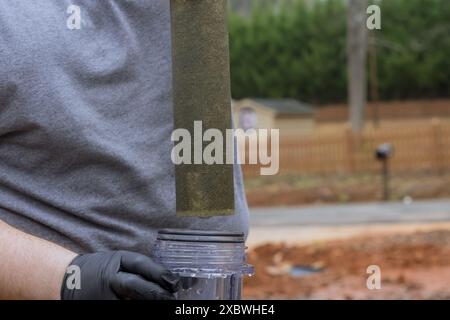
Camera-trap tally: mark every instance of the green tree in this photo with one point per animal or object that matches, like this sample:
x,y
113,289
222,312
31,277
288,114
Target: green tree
x,y
298,50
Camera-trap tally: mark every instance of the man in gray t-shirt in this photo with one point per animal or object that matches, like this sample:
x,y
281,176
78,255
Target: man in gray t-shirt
x,y
85,124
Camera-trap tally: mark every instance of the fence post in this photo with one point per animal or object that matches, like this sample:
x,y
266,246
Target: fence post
x,y
437,152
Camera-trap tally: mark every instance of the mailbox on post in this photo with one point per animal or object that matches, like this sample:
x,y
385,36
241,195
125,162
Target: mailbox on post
x,y
383,153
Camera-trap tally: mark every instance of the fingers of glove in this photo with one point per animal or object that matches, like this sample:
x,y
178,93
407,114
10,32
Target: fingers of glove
x,y
130,286
144,266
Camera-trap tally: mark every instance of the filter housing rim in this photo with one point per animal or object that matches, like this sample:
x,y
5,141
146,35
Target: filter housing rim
x,y
203,252
200,236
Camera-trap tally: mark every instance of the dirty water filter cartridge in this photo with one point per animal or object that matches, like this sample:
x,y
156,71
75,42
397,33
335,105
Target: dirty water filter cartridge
x,y
211,264
201,93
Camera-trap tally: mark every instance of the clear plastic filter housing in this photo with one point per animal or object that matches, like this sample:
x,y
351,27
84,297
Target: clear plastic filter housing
x,y
211,264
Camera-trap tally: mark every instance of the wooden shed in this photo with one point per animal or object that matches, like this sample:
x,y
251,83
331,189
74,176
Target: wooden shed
x,y
288,115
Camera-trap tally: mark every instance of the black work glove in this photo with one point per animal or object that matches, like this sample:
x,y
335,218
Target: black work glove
x,y
119,275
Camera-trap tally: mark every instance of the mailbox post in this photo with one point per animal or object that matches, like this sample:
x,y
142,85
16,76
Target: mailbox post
x,y
383,153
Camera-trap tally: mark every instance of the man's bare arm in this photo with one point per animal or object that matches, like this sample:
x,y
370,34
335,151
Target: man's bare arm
x,y
30,267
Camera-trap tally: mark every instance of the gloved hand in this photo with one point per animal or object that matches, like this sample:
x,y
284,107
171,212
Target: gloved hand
x,y
120,275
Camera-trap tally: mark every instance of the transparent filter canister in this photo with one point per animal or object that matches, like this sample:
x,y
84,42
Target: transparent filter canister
x,y
211,264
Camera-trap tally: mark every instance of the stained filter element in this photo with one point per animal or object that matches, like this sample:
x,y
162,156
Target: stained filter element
x,y
201,92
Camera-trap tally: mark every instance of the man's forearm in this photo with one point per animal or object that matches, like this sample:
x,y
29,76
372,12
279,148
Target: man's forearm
x,y
30,268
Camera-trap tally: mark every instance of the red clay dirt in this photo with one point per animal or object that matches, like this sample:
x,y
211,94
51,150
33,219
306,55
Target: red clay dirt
x,y
413,266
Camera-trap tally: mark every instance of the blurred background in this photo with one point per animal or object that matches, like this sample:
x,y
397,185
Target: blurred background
x,y
364,120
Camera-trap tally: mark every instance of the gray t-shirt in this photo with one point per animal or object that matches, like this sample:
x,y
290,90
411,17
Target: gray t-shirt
x,y
85,124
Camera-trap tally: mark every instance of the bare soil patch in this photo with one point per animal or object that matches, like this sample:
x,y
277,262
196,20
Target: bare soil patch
x,y
413,266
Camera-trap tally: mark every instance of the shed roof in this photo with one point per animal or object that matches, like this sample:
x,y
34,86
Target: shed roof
x,y
285,106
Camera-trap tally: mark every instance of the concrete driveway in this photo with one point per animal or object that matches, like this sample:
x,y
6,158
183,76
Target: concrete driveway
x,y
314,223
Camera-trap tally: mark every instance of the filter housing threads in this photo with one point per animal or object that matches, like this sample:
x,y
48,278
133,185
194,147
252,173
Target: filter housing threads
x,y
211,264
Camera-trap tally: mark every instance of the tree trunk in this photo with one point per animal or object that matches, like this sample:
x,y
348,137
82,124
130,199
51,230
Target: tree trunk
x,y
357,57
